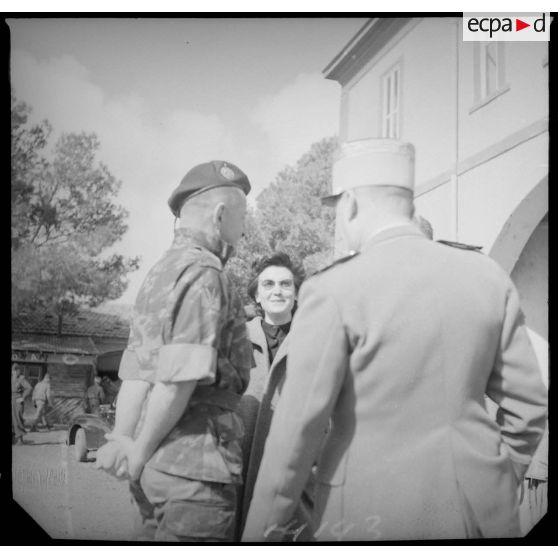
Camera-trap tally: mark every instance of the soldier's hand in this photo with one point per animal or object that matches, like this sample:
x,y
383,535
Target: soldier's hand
x,y
111,457
135,461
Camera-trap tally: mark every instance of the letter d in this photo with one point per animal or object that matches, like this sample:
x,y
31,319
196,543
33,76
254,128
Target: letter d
x,y
543,19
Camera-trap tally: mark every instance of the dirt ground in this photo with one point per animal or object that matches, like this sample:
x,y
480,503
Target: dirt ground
x,y
69,500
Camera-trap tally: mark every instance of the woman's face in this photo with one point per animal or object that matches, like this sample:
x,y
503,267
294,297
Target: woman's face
x,y
276,291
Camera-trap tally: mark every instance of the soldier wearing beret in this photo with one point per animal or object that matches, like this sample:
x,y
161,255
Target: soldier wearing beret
x,y
188,361
397,346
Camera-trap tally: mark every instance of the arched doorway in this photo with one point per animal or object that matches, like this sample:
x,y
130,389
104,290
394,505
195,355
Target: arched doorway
x,y
519,227
530,276
522,250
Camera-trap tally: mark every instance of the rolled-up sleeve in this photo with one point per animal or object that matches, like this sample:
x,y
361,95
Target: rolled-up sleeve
x,y
192,329
129,366
182,362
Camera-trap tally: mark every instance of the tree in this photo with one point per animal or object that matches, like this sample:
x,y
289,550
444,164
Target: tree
x,y
63,221
290,217
28,165
290,212
251,246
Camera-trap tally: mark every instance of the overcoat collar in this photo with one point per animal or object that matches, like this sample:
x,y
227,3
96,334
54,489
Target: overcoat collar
x,y
256,333
391,234
281,353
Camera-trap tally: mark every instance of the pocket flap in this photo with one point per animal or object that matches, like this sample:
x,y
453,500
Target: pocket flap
x,y
199,520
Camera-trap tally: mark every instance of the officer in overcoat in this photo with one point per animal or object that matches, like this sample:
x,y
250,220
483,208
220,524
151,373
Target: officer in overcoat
x,y
177,434
397,347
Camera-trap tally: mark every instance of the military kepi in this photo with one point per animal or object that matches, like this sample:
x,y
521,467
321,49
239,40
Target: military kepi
x,y
204,177
372,162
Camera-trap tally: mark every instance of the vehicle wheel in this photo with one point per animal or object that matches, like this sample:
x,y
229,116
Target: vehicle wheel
x,y
80,445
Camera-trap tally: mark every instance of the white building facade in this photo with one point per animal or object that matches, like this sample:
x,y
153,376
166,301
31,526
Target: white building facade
x,y
477,114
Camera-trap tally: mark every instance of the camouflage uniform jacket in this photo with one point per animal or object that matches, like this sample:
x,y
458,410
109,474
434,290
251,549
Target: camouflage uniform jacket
x,y
188,324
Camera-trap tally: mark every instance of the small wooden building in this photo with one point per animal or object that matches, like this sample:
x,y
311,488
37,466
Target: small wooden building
x,y
72,351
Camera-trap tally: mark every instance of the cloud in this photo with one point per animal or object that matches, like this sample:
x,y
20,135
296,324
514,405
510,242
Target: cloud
x,y
301,113
149,155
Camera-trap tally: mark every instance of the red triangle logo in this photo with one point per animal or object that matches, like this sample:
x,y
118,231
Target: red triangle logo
x,y
519,25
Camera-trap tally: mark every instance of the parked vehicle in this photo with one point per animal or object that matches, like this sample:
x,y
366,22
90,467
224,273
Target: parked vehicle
x,y
87,431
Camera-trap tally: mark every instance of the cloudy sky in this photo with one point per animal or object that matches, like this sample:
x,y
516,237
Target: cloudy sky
x,y
166,94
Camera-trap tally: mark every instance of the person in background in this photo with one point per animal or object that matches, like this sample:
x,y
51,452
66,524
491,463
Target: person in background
x,y
396,345
274,288
94,396
21,389
177,434
110,387
426,228
424,225
42,398
534,503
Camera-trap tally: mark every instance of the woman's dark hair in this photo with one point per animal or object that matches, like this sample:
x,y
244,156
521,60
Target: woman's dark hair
x,y
278,259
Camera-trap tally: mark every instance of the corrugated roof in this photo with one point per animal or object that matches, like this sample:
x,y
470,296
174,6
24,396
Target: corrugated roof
x,y
87,322
53,343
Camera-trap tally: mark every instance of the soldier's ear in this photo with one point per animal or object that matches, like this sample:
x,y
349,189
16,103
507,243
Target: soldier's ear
x,y
218,215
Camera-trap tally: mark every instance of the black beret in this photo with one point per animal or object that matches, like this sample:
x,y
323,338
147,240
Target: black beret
x,y
206,176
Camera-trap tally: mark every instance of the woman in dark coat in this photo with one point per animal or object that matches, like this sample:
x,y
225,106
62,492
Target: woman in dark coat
x,y
273,288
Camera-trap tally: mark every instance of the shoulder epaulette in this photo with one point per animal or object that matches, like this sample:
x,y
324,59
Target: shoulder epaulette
x,y
336,262
461,245
211,260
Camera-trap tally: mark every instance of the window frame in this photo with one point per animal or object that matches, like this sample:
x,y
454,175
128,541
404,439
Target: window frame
x,y
390,118
482,93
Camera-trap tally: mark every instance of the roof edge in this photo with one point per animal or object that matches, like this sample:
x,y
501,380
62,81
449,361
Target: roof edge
x,y
346,49
367,42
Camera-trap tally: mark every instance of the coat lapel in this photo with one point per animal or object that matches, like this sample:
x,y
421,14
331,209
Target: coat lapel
x,y
257,336
277,373
280,354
